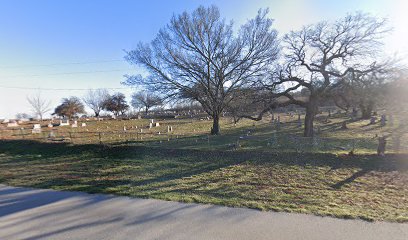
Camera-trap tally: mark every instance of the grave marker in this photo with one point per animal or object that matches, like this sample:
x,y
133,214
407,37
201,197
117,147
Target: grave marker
x,y
36,129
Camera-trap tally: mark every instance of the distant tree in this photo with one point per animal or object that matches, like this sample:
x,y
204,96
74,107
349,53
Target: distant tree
x,y
39,105
95,100
247,102
69,107
145,100
364,92
198,56
116,104
22,116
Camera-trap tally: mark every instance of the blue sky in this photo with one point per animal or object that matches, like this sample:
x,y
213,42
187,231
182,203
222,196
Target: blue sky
x,y
78,44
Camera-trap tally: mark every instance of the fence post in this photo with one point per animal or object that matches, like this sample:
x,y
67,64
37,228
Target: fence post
x,y
70,137
22,132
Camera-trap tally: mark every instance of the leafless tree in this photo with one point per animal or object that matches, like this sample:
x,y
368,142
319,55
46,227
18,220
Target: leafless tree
x,y
146,100
95,99
199,57
321,57
39,105
365,91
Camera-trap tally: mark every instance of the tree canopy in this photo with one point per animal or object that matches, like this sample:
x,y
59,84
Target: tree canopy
x,y
69,107
198,55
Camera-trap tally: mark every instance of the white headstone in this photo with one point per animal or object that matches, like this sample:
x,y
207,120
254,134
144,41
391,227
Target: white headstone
x,y
83,124
12,124
64,122
36,128
157,124
150,125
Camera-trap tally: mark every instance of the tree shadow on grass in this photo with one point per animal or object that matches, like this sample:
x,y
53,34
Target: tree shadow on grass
x,y
157,165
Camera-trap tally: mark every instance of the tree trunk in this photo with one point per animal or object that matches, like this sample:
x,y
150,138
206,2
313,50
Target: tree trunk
x,y
366,110
311,111
215,130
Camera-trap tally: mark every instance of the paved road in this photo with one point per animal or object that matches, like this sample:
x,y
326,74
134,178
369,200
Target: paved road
x,y
47,214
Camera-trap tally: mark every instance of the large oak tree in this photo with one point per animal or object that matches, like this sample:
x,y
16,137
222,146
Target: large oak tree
x,y
323,57
197,55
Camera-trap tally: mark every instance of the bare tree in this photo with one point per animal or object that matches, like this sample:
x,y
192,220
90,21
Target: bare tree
x,y
39,105
322,57
364,92
95,99
146,100
22,116
199,57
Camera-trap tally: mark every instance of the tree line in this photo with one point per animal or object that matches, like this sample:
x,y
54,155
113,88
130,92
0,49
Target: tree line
x,y
97,100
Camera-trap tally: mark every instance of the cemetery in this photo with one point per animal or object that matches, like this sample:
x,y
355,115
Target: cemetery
x,y
265,165
313,120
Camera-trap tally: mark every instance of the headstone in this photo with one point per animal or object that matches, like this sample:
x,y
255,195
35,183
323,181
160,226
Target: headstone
x,y
150,125
83,124
6,120
344,125
124,128
36,128
64,122
139,116
12,124
381,146
383,120
157,124
354,114
151,120
75,124
50,125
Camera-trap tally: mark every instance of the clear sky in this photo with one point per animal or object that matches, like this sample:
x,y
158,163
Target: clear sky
x,y
78,44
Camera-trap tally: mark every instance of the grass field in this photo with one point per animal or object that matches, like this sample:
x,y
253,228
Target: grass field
x,y
255,166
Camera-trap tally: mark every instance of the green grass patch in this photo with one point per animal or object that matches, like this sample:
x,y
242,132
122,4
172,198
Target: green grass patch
x,y
364,186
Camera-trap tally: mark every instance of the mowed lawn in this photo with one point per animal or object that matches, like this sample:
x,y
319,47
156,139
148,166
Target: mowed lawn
x,y
363,186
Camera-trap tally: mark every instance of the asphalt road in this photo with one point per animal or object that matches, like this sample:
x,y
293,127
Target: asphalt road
x,y
47,214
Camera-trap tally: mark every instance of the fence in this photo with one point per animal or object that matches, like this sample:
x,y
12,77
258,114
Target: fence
x,y
279,141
